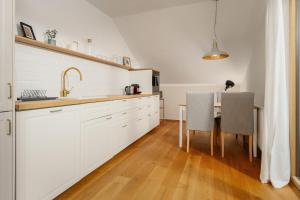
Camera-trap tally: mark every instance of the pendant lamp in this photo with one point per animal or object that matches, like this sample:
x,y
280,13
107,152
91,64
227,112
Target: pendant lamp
x,y
215,53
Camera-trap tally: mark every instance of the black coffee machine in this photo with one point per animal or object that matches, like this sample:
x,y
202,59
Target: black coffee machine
x,y
136,89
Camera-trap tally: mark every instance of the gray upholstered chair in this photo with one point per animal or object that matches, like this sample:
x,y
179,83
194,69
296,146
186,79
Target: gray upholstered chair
x,y
237,116
200,115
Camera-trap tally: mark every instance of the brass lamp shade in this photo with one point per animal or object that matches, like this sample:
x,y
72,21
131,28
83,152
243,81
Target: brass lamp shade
x,y
215,53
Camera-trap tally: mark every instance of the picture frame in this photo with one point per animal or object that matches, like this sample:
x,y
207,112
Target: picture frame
x,y
27,31
126,61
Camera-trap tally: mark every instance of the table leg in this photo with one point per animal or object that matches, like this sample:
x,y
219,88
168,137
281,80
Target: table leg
x,y
180,126
255,133
163,109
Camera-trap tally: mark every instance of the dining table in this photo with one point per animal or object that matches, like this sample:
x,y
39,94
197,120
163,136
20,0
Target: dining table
x,y
217,106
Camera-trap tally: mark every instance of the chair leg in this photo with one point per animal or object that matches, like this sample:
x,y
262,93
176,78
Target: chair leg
x,y
215,139
236,136
187,141
215,134
250,147
222,143
212,143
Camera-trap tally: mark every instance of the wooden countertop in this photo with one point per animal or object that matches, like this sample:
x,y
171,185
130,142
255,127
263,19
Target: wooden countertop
x,y
31,105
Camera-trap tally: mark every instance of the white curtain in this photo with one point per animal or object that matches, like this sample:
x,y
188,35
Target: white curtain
x,y
275,166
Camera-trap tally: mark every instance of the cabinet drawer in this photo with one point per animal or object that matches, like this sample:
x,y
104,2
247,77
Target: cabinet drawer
x,y
141,111
121,105
96,110
141,101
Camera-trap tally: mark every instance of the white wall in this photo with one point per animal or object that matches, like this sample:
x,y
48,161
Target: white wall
x,y
174,39
41,69
74,20
144,79
175,94
255,74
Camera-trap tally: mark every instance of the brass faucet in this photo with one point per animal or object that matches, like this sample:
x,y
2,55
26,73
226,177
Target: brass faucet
x,y
64,91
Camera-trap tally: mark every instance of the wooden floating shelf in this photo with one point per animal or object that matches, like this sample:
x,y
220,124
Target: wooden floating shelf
x,y
43,45
140,69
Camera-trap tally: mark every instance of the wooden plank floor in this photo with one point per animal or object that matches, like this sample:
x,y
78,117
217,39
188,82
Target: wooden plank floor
x,y
155,168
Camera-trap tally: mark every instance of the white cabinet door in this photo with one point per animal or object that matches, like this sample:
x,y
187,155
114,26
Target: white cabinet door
x,y
124,135
120,132
48,152
153,112
6,53
95,143
141,125
156,111
6,157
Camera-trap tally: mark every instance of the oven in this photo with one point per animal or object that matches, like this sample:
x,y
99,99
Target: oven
x,y
155,82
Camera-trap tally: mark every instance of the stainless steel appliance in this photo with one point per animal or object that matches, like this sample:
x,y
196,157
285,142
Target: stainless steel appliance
x,y
128,90
155,82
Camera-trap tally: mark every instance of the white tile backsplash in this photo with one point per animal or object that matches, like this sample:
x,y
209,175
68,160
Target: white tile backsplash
x,y
42,69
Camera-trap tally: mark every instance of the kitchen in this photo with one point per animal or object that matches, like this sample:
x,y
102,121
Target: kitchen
x,y
90,94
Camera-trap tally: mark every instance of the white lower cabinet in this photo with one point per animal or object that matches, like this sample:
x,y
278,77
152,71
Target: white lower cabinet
x,y
48,153
57,147
95,146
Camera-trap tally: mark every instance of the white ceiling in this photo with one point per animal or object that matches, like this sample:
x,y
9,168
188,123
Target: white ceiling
x,y
175,38
117,8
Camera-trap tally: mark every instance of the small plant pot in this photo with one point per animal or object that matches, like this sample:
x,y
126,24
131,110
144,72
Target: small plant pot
x,y
52,42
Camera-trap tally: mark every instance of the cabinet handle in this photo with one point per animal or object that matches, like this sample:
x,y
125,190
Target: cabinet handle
x,y
9,127
108,118
124,113
149,115
55,111
9,90
124,100
124,126
139,119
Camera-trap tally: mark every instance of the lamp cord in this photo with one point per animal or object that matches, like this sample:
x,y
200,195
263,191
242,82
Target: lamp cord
x,y
216,14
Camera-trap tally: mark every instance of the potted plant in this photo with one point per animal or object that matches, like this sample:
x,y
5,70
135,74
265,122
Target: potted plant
x,y
51,35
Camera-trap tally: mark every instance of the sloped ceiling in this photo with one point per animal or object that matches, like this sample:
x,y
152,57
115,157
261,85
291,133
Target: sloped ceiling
x,y
174,36
117,8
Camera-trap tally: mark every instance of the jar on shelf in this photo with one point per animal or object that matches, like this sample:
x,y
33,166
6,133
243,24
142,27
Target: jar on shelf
x,y
89,46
